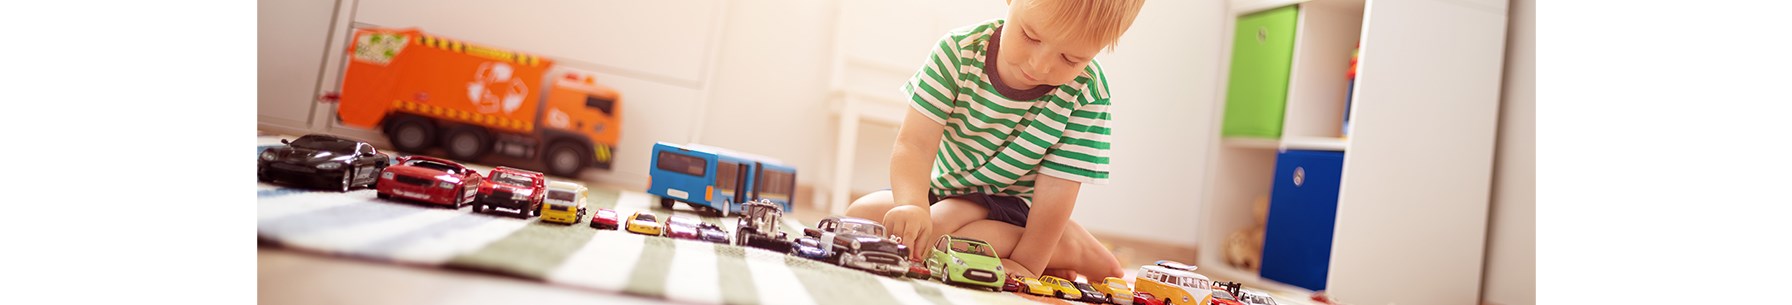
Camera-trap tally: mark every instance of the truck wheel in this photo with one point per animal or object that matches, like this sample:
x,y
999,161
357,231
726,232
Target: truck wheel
x,y
467,143
564,159
666,203
412,134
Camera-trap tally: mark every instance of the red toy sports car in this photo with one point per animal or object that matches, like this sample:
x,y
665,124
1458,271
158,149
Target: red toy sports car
x,y
919,271
1012,284
605,219
429,179
1221,297
511,188
1145,298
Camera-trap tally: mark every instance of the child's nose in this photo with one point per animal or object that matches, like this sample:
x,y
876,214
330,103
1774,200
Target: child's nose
x,y
1040,64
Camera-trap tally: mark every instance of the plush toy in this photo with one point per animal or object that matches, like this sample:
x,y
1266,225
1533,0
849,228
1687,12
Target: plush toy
x,y
1244,249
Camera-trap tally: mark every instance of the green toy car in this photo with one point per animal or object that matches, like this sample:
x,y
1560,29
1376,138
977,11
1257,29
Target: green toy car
x,y
959,260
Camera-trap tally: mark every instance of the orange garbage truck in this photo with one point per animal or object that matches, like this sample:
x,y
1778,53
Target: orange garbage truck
x,y
424,91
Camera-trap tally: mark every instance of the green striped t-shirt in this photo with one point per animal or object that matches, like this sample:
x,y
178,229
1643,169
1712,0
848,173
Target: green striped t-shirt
x,y
995,145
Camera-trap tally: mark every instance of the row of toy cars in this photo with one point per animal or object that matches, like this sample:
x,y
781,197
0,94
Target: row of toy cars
x,y
344,164
856,243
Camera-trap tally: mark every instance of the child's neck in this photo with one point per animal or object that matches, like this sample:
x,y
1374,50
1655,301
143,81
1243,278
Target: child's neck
x,y
995,75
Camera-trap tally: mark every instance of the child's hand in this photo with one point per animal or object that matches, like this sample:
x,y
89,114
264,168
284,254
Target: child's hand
x,y
911,224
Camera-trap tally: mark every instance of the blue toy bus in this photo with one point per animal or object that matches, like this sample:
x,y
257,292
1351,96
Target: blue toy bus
x,y
717,180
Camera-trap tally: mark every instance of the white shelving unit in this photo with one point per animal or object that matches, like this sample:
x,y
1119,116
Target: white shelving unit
x,y
1412,207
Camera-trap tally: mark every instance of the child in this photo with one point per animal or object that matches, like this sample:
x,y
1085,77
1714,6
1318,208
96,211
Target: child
x,y
1009,120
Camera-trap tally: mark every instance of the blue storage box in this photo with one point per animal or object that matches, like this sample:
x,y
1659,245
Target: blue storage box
x,y
1303,207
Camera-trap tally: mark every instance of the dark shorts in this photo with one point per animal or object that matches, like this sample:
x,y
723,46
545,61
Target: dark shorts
x,y
1003,208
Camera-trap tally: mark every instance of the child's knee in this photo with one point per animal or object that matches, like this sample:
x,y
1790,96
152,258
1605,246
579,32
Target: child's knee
x,y
871,206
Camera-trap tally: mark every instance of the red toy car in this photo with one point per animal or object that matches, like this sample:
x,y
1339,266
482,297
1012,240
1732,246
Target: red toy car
x,y
511,188
1012,284
605,219
919,271
428,179
1145,298
1221,297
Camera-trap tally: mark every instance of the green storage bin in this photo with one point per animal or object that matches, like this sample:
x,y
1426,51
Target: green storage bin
x,y
1257,86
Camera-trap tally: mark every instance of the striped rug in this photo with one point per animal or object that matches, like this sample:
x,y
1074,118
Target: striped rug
x,y
357,225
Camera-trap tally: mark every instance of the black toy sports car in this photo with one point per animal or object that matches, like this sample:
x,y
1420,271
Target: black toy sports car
x,y
323,160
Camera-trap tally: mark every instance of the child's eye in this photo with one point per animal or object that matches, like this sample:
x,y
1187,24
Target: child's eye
x,y
1067,59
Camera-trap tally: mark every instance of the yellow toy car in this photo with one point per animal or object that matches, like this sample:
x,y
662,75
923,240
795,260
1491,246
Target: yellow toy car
x,y
1062,288
565,203
644,223
1116,289
1034,287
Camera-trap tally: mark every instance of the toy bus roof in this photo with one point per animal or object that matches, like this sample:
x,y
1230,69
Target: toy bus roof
x,y
1173,271
553,184
719,150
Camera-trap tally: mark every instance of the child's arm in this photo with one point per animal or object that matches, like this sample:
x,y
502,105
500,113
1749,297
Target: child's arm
x,y
1053,199
911,164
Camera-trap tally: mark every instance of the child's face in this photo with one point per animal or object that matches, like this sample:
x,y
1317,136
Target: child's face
x,y
1031,55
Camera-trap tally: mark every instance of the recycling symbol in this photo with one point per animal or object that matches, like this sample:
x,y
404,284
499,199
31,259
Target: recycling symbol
x,y
495,87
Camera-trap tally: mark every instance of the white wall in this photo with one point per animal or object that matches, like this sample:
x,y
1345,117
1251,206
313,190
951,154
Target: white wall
x,y
290,38
1511,271
1163,77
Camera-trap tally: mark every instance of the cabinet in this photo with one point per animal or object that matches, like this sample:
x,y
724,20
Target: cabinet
x,y
1409,218
1263,49
1303,206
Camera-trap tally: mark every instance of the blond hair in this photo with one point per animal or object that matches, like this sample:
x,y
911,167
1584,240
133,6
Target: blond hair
x,y
1102,21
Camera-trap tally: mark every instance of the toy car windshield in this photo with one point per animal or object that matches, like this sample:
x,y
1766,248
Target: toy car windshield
x,y
867,229
324,143
509,178
560,195
432,165
645,217
967,247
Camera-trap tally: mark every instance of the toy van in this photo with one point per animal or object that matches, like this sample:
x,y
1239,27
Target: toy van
x,y
565,202
1173,283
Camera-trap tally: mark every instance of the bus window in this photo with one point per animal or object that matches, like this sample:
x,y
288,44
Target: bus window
x,y
775,185
727,176
683,164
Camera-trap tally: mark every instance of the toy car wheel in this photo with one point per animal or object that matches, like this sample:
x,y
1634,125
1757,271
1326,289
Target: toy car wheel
x,y
457,201
726,207
348,180
666,203
382,196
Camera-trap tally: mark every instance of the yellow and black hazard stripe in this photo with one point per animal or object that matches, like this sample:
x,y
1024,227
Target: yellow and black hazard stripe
x,y
601,153
497,54
462,115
